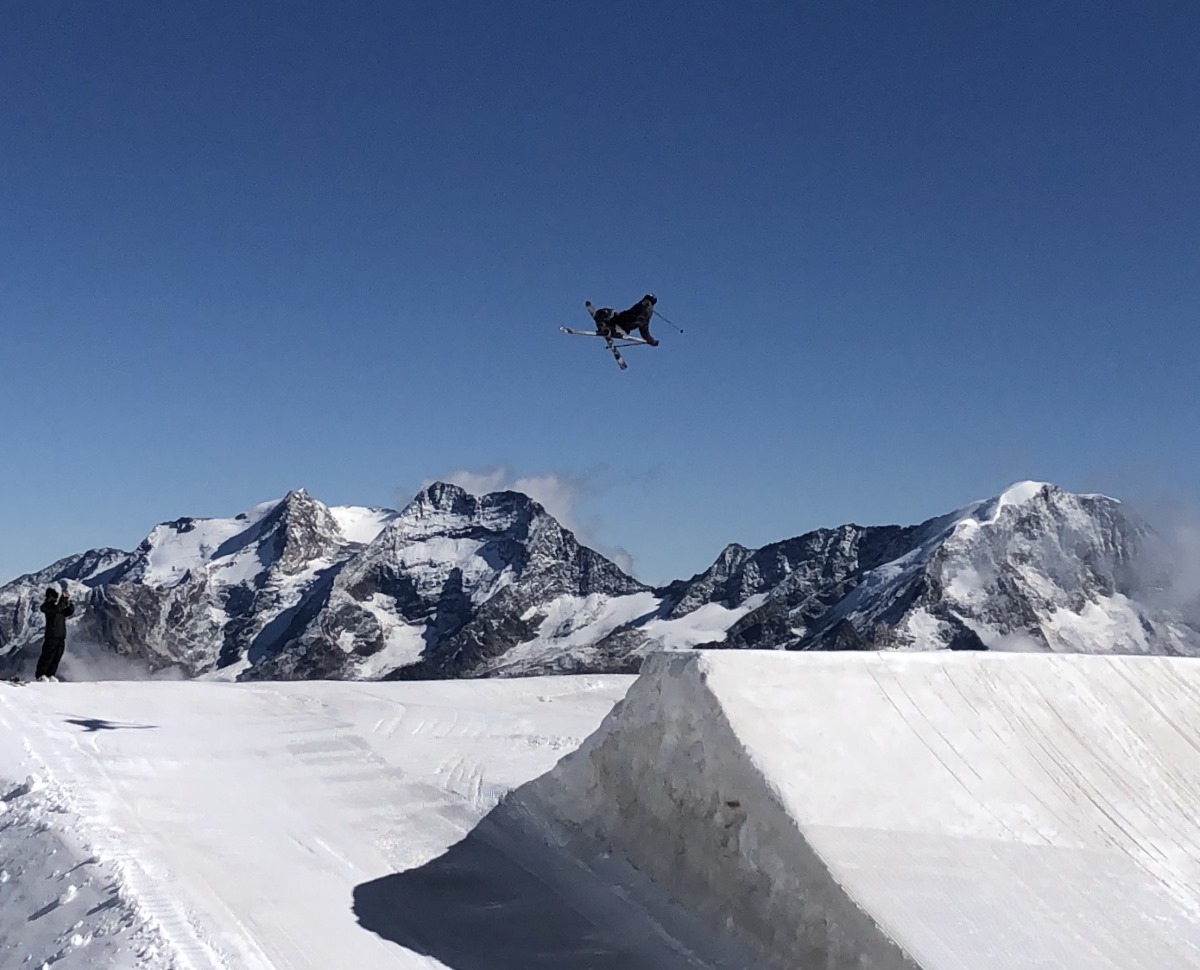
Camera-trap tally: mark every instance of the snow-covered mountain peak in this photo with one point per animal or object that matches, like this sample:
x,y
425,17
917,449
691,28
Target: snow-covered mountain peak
x,y
450,582
286,535
1035,504
989,511
732,555
440,498
1040,563
1022,492
448,538
442,509
296,506
300,532
179,548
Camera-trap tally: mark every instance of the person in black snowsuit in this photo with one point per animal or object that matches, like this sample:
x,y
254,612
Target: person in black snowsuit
x,y
57,609
637,317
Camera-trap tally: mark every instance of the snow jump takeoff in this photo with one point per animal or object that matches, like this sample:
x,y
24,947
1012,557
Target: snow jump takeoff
x,y
613,326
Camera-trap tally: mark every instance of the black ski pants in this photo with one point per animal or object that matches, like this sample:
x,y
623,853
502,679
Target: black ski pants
x,y
52,651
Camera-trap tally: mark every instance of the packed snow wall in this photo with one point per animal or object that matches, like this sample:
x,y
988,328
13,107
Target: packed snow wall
x,y
888,810
669,784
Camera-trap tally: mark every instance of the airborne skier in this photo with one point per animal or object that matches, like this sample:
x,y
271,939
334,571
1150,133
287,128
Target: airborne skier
x,y
611,324
614,326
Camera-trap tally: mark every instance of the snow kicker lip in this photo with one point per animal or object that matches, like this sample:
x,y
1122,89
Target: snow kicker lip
x,y
667,783
899,810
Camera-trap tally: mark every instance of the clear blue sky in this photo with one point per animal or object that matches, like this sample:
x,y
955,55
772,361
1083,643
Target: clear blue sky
x,y
921,250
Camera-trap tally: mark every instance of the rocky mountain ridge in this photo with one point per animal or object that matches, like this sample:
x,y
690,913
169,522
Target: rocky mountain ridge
x,y
458,585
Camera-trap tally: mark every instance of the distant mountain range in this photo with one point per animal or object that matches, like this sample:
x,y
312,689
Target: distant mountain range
x,y
457,585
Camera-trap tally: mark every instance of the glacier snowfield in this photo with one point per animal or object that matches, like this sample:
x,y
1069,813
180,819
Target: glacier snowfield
x,y
957,811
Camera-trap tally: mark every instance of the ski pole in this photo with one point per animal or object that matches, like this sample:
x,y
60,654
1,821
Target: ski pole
x,y
665,320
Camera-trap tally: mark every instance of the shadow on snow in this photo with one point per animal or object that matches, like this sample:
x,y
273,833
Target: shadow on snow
x,y
90,724
504,899
475,908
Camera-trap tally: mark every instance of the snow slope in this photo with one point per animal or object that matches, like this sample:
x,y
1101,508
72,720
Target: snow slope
x,y
948,811
891,810
218,826
362,525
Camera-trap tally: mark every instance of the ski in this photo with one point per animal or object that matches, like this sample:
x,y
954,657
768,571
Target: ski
x,y
608,342
624,341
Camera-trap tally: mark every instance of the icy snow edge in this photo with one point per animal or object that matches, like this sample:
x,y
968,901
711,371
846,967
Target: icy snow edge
x,y
666,782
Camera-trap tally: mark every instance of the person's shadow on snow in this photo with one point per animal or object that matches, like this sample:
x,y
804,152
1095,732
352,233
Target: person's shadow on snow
x,y
99,724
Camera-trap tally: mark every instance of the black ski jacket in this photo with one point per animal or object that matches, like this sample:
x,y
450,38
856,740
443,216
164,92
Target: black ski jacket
x,y
56,618
636,317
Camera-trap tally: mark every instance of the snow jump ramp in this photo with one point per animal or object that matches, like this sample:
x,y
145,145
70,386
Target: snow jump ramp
x,y
942,811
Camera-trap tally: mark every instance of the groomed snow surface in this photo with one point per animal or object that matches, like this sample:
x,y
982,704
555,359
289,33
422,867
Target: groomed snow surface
x,y
958,811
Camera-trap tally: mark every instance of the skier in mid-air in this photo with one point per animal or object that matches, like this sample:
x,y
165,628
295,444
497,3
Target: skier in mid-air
x,y
614,326
611,324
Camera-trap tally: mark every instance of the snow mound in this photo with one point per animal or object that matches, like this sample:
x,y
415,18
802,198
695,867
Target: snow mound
x,y
903,810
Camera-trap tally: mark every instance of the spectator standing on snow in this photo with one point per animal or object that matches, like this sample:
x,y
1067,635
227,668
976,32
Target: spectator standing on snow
x,y
57,609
